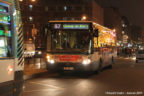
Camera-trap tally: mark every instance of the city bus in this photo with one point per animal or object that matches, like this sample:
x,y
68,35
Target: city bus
x,y
11,49
78,46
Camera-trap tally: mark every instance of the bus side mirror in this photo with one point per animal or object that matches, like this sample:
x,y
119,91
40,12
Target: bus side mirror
x,y
96,33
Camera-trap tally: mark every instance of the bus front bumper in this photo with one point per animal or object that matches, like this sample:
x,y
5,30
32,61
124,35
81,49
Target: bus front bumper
x,y
68,66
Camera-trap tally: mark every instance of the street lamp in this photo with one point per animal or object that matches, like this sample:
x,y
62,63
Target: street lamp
x,y
114,30
123,32
33,0
83,18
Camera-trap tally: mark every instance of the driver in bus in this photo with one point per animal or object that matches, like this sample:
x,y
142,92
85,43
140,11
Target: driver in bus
x,y
65,44
85,40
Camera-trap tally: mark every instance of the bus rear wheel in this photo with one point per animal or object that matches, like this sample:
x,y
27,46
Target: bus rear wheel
x,y
112,60
100,67
110,66
136,61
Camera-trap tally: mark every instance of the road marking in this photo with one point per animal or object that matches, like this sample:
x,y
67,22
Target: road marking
x,y
39,90
52,86
133,65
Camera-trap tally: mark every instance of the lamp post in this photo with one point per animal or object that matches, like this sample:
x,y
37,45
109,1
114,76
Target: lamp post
x,y
83,18
27,8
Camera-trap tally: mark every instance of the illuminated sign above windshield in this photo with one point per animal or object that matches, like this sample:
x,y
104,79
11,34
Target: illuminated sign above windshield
x,y
71,26
75,26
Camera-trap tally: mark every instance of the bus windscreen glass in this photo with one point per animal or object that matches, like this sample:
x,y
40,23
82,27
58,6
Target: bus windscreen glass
x,y
68,40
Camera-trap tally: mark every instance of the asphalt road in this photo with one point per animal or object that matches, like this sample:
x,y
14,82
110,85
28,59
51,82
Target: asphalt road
x,y
126,78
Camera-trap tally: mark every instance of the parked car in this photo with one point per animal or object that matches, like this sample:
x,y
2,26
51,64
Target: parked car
x,y
39,52
139,55
29,50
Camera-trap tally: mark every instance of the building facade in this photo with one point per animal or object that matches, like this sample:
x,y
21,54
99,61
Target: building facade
x,y
112,20
73,10
36,13
32,13
136,34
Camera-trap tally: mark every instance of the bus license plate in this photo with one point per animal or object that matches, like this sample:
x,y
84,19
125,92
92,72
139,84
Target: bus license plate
x,y
68,68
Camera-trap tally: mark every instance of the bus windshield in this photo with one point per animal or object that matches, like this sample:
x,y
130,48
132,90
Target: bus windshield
x,y
70,40
141,52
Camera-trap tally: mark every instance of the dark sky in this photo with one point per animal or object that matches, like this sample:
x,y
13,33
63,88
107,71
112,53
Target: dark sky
x,y
133,9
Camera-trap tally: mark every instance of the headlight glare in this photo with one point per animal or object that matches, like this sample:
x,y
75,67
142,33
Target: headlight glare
x,y
52,61
39,52
48,57
134,58
86,61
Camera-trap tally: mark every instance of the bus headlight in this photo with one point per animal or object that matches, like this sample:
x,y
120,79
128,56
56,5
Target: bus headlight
x,y
134,58
86,61
50,59
39,52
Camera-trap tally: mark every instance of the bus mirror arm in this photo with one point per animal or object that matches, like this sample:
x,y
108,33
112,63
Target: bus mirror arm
x,y
96,33
92,51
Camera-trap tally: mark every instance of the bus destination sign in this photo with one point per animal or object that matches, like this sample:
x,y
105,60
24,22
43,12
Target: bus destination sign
x,y
71,26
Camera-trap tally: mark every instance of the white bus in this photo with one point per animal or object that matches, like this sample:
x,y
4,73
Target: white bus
x,y
78,46
11,49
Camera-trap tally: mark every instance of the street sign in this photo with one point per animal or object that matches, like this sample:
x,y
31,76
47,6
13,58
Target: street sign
x,y
125,38
34,32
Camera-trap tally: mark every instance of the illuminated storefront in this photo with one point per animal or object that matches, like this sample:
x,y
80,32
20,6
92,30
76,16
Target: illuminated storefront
x,y
106,37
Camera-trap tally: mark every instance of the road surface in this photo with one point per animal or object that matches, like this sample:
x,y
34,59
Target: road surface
x,y
126,78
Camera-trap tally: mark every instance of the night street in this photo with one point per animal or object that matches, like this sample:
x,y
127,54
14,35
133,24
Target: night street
x,y
71,48
124,79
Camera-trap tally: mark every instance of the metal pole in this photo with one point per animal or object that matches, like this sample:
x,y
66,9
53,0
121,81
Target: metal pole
x,y
97,40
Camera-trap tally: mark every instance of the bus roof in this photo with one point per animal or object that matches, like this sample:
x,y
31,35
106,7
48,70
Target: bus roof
x,y
69,21
79,21
100,27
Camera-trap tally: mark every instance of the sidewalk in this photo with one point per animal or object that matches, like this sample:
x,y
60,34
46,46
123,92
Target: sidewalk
x,y
33,66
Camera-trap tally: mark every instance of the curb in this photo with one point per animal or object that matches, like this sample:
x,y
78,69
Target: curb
x,y
27,77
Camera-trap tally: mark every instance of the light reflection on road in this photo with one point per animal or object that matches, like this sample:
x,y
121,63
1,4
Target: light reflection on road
x,y
126,76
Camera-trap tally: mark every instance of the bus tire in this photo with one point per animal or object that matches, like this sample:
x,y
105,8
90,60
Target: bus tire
x,y
110,66
47,69
136,61
100,67
61,72
112,60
